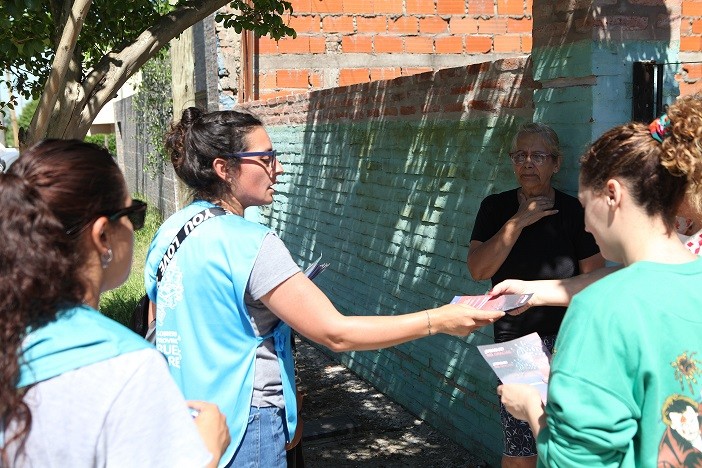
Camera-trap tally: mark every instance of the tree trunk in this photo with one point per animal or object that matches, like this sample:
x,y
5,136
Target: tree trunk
x,y
72,114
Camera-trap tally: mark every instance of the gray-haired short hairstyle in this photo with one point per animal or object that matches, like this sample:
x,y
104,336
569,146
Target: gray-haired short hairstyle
x,y
546,133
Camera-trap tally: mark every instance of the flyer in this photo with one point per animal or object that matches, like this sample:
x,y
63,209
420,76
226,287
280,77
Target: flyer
x,y
523,360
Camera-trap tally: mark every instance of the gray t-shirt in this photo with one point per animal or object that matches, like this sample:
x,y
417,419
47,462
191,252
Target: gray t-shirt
x,y
273,266
125,411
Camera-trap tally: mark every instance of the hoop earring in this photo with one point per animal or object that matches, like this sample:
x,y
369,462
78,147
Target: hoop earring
x,y
106,258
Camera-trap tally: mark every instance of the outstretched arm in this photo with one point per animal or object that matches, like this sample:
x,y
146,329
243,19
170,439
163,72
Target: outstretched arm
x,y
302,305
556,292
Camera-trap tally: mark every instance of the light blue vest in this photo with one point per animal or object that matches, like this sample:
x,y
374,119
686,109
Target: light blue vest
x,y
79,337
203,326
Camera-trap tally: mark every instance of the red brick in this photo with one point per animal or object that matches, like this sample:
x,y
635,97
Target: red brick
x,y
374,24
267,80
408,71
691,8
327,6
349,76
419,45
697,26
492,26
403,25
448,45
507,43
318,45
420,6
266,45
408,110
478,44
510,7
357,44
301,6
303,24
299,45
690,88
363,7
521,25
393,7
693,70
461,25
527,41
432,25
316,80
451,7
292,79
481,7
384,73
387,44
691,44
337,24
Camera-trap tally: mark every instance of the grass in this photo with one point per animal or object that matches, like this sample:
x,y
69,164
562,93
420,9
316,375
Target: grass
x,y
119,303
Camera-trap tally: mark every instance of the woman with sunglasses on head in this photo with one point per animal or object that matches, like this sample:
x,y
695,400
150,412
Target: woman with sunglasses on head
x,y
229,294
625,387
76,388
531,232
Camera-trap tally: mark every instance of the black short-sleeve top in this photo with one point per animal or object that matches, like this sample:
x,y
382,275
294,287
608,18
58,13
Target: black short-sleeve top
x,y
547,249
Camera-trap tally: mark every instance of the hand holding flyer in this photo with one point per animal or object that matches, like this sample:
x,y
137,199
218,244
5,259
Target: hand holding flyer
x,y
524,360
504,302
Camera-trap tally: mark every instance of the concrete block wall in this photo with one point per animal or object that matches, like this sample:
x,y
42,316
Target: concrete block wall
x,y
158,188
384,179
342,42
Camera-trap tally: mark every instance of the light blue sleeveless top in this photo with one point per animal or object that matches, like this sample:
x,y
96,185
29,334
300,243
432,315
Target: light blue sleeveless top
x,y
202,324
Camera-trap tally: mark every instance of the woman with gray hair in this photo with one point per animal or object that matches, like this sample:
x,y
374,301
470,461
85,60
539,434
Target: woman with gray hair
x,y
531,232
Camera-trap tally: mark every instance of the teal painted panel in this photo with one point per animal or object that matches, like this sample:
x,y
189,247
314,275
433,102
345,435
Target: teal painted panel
x,y
391,206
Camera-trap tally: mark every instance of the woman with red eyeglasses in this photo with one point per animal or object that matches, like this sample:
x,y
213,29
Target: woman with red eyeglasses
x,y
76,387
531,232
228,293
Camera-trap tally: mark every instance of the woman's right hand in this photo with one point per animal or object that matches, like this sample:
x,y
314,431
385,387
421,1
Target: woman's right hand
x,y
212,425
533,209
512,286
462,319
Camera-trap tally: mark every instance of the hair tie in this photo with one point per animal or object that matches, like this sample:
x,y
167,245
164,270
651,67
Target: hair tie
x,y
659,128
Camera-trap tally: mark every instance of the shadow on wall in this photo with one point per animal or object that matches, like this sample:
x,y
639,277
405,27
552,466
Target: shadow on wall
x,y
384,179
583,58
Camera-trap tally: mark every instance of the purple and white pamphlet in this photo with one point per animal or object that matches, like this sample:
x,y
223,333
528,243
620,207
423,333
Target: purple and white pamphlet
x,y
504,302
523,360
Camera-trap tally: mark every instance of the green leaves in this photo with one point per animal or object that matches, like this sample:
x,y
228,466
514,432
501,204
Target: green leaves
x,y
263,17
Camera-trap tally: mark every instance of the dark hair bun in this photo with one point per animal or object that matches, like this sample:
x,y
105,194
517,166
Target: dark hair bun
x,y
190,116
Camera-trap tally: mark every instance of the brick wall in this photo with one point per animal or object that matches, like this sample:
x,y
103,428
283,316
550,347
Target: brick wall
x,y
355,41
690,76
384,179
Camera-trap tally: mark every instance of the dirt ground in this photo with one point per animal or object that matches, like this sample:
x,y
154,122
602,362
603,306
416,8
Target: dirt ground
x,y
348,423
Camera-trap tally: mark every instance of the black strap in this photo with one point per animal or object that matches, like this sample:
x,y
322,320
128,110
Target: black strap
x,y
184,232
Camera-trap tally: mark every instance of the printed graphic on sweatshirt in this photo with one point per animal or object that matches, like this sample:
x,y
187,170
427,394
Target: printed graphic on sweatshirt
x,y
681,444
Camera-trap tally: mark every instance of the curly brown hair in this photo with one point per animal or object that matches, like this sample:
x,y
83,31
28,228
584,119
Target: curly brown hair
x,y
629,152
682,145
54,185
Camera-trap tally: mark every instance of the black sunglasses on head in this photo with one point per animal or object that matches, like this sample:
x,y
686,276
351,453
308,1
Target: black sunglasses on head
x,y
136,212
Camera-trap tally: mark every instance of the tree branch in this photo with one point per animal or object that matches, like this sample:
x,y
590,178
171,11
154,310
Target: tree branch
x,y
116,68
59,68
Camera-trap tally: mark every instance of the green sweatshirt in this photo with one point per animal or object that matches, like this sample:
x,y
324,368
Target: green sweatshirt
x,y
626,377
